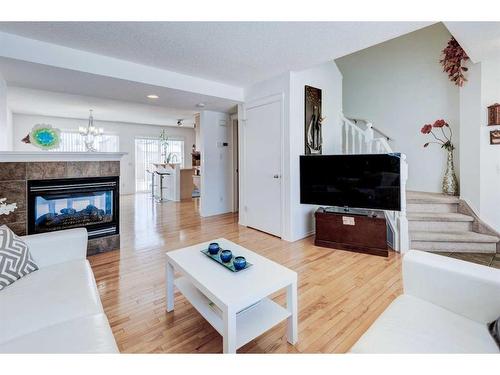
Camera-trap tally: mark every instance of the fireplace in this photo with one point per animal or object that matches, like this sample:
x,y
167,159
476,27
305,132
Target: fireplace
x,y
58,204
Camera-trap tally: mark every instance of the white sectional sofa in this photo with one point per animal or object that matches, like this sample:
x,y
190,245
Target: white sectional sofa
x,y
444,309
57,308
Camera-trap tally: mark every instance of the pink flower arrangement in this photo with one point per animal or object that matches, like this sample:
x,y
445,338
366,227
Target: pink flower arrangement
x,y
444,140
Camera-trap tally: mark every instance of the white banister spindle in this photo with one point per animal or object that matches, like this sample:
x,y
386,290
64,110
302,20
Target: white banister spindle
x,y
346,138
369,138
353,141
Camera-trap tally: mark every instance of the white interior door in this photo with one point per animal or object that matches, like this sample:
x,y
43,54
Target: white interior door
x,y
262,137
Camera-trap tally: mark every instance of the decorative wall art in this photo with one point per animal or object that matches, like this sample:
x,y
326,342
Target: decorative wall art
x,y
495,137
313,121
494,114
44,137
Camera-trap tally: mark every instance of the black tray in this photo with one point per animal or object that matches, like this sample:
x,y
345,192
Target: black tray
x,y
229,265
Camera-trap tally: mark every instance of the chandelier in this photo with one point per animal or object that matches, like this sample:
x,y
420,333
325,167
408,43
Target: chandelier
x,y
90,134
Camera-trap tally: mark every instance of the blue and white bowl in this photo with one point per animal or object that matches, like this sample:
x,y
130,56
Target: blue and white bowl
x,y
226,255
239,263
213,248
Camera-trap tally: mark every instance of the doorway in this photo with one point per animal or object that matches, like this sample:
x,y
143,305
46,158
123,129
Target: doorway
x,y
262,164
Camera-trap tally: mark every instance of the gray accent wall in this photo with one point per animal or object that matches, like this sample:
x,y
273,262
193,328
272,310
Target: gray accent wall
x,y
399,86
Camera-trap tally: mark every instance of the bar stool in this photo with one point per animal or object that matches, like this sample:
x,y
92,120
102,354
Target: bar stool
x,y
159,197
152,174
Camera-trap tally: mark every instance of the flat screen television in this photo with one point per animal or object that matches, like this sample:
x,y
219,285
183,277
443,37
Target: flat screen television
x,y
370,181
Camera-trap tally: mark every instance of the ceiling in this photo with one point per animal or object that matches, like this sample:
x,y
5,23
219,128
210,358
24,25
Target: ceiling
x,y
481,40
239,53
43,77
46,103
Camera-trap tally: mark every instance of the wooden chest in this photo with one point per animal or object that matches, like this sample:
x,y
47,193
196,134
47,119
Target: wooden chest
x,y
359,233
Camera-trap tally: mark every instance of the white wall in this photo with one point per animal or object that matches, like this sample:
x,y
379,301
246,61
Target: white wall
x,y
216,160
399,85
480,169
128,132
470,140
9,134
5,119
328,78
490,154
298,222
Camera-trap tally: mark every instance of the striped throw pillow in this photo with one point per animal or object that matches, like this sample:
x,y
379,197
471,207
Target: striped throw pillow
x,y
15,258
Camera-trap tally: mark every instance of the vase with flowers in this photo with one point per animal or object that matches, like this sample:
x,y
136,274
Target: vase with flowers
x,y
443,138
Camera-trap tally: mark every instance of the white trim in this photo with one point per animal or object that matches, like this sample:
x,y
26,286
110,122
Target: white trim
x,y
280,97
233,144
241,180
20,156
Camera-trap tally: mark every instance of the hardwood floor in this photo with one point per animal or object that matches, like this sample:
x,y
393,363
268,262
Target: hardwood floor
x,y
340,293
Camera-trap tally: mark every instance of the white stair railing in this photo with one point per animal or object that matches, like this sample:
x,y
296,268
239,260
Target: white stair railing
x,y
363,141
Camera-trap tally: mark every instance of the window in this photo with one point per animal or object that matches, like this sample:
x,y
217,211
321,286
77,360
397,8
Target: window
x,y
149,151
72,141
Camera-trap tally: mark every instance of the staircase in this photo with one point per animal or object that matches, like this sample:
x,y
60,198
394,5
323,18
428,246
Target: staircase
x,y
427,221
435,225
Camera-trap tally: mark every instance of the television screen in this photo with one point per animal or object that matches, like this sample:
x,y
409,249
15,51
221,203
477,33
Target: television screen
x,y
370,181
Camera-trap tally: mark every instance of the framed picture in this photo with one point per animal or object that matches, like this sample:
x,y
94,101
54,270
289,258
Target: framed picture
x,y
495,137
494,114
313,137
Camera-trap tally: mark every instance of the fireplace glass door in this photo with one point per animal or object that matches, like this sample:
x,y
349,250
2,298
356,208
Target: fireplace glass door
x,y
56,212
74,203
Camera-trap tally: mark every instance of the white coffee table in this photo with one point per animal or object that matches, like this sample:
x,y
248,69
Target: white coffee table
x,y
203,281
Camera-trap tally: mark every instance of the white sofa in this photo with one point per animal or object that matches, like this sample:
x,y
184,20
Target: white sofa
x,y
444,309
57,308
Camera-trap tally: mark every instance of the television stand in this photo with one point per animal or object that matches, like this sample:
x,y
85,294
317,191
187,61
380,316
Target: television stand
x,y
361,231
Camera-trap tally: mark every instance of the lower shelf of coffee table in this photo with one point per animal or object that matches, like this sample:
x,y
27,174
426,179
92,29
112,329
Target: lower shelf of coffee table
x,y
250,323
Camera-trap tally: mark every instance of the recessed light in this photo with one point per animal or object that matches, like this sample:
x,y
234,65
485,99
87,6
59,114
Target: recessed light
x,y
152,96
200,105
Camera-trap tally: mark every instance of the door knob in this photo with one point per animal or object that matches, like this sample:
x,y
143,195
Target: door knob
x,y
276,176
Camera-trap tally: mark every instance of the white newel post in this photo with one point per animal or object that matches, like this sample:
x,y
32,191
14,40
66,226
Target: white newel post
x,y
369,135
404,239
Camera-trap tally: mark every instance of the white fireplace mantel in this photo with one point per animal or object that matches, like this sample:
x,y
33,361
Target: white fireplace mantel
x,y
27,156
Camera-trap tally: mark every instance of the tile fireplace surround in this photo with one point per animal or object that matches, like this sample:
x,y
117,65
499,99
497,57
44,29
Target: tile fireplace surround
x,y
17,168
